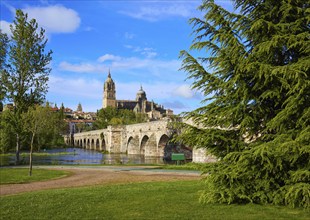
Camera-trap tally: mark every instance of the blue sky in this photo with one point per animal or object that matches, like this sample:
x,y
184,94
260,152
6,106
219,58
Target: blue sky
x,y
139,41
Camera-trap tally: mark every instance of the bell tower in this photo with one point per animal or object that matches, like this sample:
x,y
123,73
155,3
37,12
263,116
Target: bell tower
x,y
109,97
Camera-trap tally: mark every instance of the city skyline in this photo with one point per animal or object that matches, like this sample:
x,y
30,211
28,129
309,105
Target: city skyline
x,y
138,41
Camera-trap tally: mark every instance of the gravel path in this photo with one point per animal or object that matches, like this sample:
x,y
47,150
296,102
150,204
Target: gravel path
x,y
86,176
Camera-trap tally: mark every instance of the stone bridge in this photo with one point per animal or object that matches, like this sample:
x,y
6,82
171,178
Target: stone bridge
x,y
148,139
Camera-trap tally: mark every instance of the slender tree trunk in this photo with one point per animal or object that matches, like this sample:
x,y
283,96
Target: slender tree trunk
x,y
30,155
39,145
17,149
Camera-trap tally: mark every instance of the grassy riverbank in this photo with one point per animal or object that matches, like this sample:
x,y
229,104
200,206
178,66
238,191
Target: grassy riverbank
x,y
20,175
153,200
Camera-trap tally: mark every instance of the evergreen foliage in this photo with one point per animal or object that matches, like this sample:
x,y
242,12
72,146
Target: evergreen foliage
x,y
254,73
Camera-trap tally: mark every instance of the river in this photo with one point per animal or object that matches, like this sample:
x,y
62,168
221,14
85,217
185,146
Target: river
x,y
76,156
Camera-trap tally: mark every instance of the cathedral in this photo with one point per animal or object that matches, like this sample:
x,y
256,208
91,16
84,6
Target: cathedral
x,y
140,105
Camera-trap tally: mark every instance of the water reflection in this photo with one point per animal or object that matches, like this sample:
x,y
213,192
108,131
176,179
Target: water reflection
x,y
77,156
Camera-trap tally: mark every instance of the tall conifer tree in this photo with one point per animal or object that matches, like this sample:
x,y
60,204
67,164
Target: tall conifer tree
x,y
255,77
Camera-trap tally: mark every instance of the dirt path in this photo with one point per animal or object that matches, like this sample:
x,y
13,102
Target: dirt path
x,y
86,176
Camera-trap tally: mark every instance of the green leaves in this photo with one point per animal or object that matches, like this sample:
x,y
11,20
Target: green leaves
x,y
25,70
114,116
26,73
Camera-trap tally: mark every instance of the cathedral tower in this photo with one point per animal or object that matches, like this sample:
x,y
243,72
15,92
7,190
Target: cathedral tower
x,y
142,100
109,98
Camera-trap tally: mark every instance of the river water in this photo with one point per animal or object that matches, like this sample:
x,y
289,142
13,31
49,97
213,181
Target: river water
x,y
75,156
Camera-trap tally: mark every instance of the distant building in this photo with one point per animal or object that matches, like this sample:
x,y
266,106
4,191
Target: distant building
x,y
140,105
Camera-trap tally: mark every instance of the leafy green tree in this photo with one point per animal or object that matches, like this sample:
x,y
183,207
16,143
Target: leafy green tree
x,y
79,127
104,116
116,121
52,134
113,116
36,123
4,40
7,137
141,117
255,77
43,127
25,74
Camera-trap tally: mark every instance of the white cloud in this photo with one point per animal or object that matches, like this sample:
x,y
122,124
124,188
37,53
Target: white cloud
x,y
117,63
184,91
148,52
156,12
72,91
152,66
79,87
55,19
8,6
82,67
5,28
108,57
175,105
129,35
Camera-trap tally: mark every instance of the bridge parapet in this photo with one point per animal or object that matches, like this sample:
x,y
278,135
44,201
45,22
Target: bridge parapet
x,y
148,126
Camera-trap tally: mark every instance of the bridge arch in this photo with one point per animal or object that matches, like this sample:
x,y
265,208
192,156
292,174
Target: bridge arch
x,y
97,144
144,142
133,145
103,145
148,146
151,146
84,143
88,144
162,143
92,144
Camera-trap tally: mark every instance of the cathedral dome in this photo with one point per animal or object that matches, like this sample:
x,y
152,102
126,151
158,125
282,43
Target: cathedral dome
x,y
141,94
141,91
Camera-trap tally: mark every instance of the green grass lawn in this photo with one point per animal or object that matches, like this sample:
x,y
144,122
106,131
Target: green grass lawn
x,y
20,175
153,200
